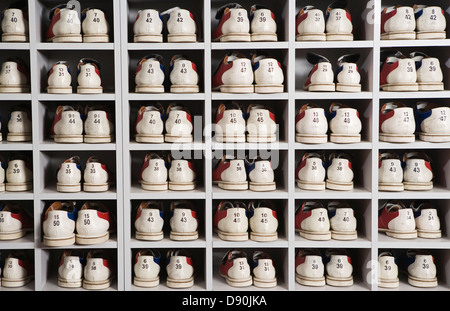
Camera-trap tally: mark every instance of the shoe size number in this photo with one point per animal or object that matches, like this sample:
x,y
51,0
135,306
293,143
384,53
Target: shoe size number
x,y
13,17
387,265
16,169
240,18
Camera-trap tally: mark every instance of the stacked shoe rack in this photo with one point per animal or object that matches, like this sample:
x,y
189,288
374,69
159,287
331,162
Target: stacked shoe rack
x,y
124,156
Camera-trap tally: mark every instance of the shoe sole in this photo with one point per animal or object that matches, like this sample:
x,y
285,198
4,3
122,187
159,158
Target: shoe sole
x,y
333,281
183,283
344,235
321,87
309,281
386,283
311,37
148,38
397,138
178,139
307,185
426,234
59,90
263,237
68,188
345,138
184,89
154,236
418,186
149,138
149,89
59,241
89,240
431,86
264,186
392,186
96,284
181,186
263,283
96,139
434,138
400,87
350,88
311,139
182,37
68,139
227,185
399,35
7,282
342,186
230,138
237,282
97,38
339,37
17,137
183,236
69,38
268,89
89,90
145,282
234,37
421,282
314,236
18,186
237,89
95,187
154,186
69,283
399,234
261,138
14,89
5,236
2,187
230,236
431,35
14,37
261,36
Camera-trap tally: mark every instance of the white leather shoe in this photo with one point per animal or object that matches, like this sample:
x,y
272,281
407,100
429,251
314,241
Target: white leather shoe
x,y
390,172
263,270
396,220
310,172
230,173
309,268
65,25
180,269
430,22
14,77
268,74
263,220
19,125
260,174
387,270
59,224
261,124
312,222
67,124
338,26
321,76
183,221
183,75
148,26
94,224
182,174
235,268
342,221
234,24
263,26
181,25
14,24
19,174
398,72
97,177
154,172
348,77
417,172
433,122
428,224
99,270
178,124
339,172
339,269
94,25
397,123
310,24
429,72
59,80
89,79
146,268
398,23
234,75
230,124
345,125
150,75
69,175
70,269
311,125
149,221
149,127
99,124
231,222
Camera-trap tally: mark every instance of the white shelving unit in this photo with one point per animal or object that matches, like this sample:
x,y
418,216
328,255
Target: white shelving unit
x,y
124,156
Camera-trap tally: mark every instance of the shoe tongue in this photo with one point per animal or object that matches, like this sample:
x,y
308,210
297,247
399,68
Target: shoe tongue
x,y
391,106
425,106
233,56
394,206
349,58
222,9
314,58
339,4
167,12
